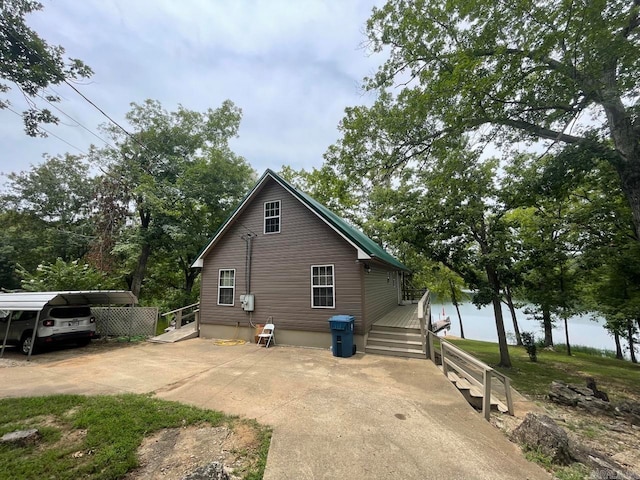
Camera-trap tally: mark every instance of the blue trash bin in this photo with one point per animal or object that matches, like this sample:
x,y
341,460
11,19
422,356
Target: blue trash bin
x,y
342,335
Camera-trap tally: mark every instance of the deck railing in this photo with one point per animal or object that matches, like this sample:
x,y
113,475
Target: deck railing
x,y
185,315
471,369
424,317
413,294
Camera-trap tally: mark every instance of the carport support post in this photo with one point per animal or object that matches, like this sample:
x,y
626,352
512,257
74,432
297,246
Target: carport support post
x,y
35,332
6,334
106,334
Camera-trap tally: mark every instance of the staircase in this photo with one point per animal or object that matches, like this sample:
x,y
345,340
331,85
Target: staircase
x,y
395,341
474,395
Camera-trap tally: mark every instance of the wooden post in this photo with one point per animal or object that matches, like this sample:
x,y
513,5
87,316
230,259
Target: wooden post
x,y
486,398
443,357
178,319
507,392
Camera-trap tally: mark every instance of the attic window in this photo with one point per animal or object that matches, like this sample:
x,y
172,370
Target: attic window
x,y
272,217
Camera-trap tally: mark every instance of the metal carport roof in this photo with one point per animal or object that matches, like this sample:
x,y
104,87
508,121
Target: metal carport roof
x,y
37,300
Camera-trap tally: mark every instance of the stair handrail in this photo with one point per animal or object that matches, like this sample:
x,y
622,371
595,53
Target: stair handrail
x,y
424,314
487,374
179,315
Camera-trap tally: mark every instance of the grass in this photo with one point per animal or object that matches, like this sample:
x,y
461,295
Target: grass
x,y
619,378
109,428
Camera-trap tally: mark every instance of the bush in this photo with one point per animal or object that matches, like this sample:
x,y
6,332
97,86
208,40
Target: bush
x,y
529,342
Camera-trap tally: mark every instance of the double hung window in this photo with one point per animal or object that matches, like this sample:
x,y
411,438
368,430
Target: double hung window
x,y
323,293
226,287
272,217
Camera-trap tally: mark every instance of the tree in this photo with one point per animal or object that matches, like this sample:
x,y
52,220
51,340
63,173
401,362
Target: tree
x,y
46,212
32,65
176,178
507,72
61,275
450,212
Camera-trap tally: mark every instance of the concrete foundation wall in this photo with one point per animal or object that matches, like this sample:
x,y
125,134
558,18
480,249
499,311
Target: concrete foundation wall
x,y
283,337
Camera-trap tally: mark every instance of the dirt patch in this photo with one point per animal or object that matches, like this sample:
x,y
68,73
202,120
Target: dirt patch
x,y
616,439
175,452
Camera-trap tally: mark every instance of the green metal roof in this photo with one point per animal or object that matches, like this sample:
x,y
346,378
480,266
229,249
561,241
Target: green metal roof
x,y
350,232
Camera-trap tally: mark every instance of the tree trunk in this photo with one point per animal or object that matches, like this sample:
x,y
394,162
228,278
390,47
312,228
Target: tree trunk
x,y
190,279
454,300
512,310
632,346
492,277
141,269
616,339
566,333
627,142
548,326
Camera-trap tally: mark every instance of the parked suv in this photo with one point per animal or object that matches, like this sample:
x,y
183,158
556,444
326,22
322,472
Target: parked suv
x,y
63,324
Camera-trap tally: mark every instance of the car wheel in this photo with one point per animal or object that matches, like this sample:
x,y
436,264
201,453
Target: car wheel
x,y
25,344
84,342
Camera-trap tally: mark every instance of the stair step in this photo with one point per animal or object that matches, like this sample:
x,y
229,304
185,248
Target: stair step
x,y
395,351
395,335
474,394
400,330
389,342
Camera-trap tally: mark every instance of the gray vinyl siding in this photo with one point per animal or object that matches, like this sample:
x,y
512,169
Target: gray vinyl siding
x,y
281,268
381,293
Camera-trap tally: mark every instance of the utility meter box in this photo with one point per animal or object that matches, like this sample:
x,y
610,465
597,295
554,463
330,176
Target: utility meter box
x,y
247,302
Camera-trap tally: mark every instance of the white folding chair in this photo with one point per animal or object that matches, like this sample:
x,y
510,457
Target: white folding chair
x,y
267,334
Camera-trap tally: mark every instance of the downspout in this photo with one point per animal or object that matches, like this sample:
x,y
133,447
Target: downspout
x,y
247,268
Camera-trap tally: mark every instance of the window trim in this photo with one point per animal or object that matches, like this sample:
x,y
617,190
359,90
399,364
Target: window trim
x,y
233,287
333,286
264,217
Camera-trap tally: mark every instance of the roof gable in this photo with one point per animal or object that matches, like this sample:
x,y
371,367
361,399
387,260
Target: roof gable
x,y
366,247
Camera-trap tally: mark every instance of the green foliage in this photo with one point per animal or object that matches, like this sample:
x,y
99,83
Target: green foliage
x,y
176,181
65,276
30,64
115,427
529,343
47,212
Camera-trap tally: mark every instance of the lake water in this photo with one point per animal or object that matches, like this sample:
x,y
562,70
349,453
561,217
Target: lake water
x,y
479,324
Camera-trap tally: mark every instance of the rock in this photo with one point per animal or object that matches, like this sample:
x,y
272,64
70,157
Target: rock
x,y
21,437
212,471
562,394
539,432
603,466
578,396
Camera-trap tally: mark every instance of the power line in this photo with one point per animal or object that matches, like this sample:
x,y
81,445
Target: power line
x,y
49,133
76,121
45,60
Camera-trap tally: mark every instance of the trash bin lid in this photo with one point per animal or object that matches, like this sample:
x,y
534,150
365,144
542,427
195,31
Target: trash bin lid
x,y
342,318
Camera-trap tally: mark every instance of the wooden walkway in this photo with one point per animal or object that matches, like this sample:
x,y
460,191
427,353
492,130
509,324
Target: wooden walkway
x,y
403,316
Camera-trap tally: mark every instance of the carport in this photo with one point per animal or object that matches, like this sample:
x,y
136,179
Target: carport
x,y
36,301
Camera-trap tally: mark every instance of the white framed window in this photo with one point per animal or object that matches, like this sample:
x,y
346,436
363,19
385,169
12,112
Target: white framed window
x,y
323,291
226,287
272,217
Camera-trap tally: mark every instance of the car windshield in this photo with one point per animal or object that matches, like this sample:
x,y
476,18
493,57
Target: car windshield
x,y
71,312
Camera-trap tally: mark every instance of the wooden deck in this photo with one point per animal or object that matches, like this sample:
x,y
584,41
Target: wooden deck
x,y
403,316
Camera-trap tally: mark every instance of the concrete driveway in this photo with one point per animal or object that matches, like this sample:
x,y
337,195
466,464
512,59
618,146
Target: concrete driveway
x,y
365,417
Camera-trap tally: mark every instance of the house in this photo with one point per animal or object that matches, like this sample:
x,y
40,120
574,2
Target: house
x,y
283,258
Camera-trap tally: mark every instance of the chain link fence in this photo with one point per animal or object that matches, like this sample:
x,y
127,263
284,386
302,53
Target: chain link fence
x,y
126,321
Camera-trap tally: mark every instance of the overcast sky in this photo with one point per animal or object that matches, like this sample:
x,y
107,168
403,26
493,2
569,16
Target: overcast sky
x,y
291,66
